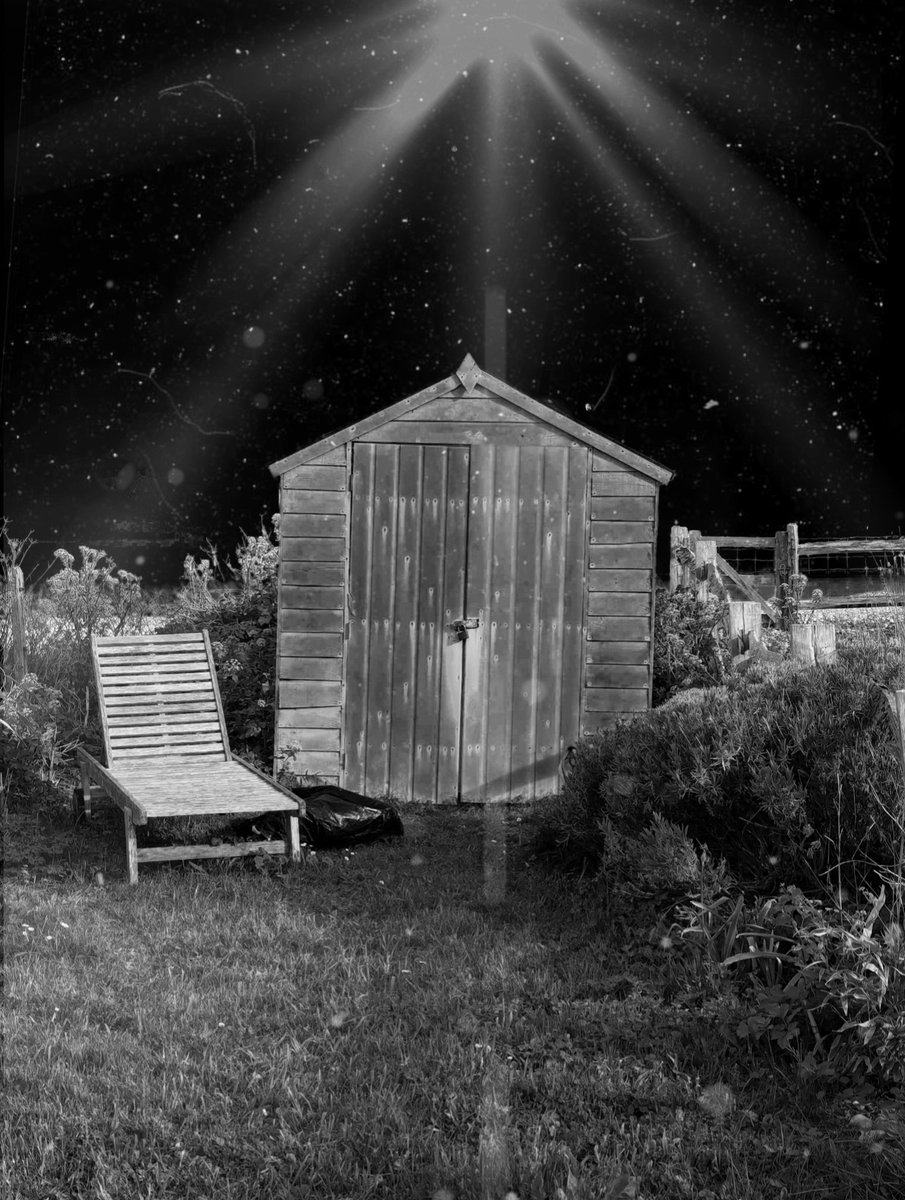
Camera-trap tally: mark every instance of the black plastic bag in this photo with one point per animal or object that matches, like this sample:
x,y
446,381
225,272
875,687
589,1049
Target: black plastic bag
x,y
338,817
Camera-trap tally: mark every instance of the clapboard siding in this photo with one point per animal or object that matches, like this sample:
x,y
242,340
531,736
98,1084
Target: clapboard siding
x,y
622,508
619,626
313,551
309,693
312,574
316,478
313,525
617,532
613,675
327,717
310,668
613,699
633,653
312,620
619,604
480,411
465,433
316,739
295,596
620,483
314,500
619,629
311,645
618,580
303,549
630,554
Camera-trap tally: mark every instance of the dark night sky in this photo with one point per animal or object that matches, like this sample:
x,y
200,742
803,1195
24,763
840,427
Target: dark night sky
x,y
237,227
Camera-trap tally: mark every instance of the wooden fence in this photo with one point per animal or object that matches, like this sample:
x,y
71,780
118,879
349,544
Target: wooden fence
x,y
695,562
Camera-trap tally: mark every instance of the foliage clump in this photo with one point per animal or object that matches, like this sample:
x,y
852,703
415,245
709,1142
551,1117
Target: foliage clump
x,y
49,709
785,773
690,644
237,603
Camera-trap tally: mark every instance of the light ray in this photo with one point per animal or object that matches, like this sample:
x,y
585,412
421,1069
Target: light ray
x,y
760,369
684,196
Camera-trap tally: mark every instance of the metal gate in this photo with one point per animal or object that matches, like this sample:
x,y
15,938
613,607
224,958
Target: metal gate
x,y
465,622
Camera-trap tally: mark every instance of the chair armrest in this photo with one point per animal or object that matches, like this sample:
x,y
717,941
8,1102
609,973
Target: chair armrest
x,y
110,785
273,783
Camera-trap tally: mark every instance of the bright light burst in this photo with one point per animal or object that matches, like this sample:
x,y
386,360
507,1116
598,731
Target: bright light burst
x,y
675,204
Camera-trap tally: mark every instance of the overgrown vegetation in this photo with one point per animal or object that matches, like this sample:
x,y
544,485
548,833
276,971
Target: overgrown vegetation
x,y
690,644
242,622
760,827
706,997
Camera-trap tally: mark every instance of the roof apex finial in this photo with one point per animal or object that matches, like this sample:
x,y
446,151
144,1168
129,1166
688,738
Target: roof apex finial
x,y
469,372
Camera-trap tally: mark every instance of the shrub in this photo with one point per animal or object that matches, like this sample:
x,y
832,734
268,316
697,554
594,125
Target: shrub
x,y
36,738
789,774
242,624
690,644
825,988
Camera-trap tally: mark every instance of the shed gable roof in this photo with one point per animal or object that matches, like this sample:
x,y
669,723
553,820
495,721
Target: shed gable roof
x,y
471,381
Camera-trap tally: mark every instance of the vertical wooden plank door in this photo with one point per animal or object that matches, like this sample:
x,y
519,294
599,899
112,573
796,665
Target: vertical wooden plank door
x,y
403,694
526,585
439,533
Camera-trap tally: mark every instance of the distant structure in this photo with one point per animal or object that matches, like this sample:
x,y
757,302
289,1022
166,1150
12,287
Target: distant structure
x,y
466,587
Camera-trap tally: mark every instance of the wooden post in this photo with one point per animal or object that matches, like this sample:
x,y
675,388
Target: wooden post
x,y
781,559
18,667
896,701
680,558
293,845
744,620
704,557
792,548
815,644
131,847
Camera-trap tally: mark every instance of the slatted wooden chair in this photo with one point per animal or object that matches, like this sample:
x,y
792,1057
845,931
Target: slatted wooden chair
x,y
168,750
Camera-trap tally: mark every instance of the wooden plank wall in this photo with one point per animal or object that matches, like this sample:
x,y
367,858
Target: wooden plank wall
x,y
622,535
313,562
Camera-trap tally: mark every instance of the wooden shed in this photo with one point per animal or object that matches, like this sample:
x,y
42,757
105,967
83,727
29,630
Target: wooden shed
x,y
466,586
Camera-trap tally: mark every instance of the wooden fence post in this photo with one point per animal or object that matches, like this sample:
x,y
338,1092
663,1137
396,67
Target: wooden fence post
x,y
814,644
785,565
14,587
704,561
681,558
792,548
896,701
745,619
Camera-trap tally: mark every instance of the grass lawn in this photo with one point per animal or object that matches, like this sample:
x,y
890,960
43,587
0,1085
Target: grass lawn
x,y
435,1018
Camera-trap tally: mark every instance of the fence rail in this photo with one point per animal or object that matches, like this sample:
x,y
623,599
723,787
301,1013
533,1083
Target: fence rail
x,y
695,562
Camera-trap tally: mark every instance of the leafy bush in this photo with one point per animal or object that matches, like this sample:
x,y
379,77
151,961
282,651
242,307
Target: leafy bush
x,y
817,985
48,712
242,623
690,644
786,774
36,739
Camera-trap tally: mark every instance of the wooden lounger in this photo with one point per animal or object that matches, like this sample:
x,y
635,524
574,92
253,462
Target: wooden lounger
x,y
168,750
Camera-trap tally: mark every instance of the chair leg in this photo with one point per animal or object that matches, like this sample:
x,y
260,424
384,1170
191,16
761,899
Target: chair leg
x,y
131,847
293,849
86,791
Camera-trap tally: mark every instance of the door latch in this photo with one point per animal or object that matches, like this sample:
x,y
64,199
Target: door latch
x,y
461,627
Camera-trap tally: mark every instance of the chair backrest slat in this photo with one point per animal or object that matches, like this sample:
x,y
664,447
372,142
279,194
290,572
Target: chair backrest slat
x,y
159,697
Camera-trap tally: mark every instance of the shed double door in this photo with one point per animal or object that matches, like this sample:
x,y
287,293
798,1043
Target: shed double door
x,y
489,534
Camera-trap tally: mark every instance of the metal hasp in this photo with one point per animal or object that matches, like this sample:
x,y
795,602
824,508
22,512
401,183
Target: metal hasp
x,y
461,627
